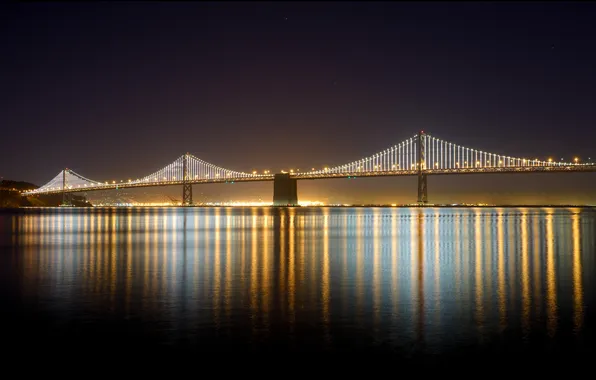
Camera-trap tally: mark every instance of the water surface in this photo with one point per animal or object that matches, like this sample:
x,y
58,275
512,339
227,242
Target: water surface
x,y
407,281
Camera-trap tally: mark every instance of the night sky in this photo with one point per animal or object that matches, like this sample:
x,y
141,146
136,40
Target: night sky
x,y
118,90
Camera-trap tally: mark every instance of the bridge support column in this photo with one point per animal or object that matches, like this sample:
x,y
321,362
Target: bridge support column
x,y
187,194
186,186
422,189
66,201
285,190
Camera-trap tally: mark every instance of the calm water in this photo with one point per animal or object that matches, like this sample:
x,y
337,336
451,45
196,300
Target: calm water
x,y
410,281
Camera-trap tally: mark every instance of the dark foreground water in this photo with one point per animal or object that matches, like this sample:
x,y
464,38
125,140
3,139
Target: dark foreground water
x,y
416,282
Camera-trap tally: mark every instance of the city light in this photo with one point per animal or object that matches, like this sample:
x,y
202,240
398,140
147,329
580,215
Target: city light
x,y
306,203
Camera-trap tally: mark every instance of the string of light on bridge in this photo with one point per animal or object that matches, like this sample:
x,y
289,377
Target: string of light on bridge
x,y
439,154
439,157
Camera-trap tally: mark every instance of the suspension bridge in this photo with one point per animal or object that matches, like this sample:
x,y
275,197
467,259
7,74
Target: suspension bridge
x,y
420,155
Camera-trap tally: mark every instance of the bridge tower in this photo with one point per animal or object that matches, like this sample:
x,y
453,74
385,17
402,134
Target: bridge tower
x,y
422,189
65,196
285,190
186,185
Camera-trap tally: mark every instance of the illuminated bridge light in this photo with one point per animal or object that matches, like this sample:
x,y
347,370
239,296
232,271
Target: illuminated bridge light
x,y
402,158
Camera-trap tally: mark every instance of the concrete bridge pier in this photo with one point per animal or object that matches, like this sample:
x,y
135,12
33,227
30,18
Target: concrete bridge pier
x,y
285,190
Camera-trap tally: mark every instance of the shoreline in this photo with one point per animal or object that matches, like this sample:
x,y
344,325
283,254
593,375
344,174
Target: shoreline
x,y
455,206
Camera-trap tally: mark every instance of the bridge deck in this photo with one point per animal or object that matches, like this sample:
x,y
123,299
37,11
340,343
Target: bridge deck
x,y
127,185
491,170
300,176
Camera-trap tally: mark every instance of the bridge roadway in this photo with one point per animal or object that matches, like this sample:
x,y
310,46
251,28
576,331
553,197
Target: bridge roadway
x,y
285,191
489,170
131,185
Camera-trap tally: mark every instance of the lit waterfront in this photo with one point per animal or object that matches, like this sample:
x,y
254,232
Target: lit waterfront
x,y
205,204
415,281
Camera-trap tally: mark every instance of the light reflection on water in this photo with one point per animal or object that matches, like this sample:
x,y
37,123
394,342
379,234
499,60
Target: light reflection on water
x,y
411,280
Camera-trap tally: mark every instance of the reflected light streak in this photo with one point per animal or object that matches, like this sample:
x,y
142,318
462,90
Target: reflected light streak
x,y
466,256
197,258
487,244
512,258
128,275
437,267
282,259
152,259
551,286
313,232
537,264
291,270
420,277
84,260
359,267
344,246
217,268
162,289
265,273
394,287
479,286
301,254
325,286
228,265
578,308
458,258
501,272
375,271
173,256
89,259
243,250
146,255
207,283
526,297
253,272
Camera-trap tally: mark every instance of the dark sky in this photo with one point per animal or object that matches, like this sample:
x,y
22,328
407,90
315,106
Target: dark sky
x,y
118,90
